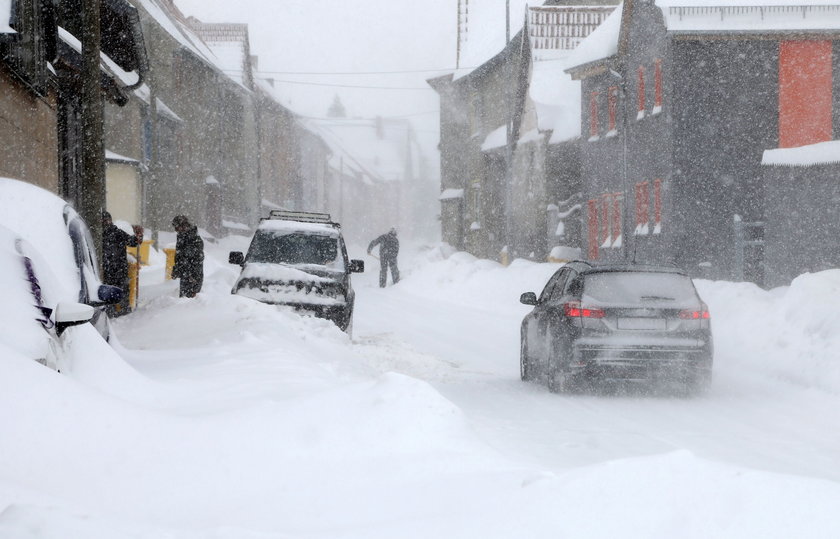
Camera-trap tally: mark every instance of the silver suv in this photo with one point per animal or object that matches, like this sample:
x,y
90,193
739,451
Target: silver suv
x,y
299,259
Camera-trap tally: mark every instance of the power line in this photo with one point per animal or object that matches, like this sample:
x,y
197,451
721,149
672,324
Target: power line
x,y
351,72
348,85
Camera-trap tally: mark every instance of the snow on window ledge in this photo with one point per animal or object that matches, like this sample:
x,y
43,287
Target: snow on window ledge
x,y
593,138
641,230
619,241
607,243
656,110
611,133
640,115
657,228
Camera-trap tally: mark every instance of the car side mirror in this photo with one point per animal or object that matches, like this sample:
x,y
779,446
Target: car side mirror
x,y
528,298
357,266
69,314
109,295
236,257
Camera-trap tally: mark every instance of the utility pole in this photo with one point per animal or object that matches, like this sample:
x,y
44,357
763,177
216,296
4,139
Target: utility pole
x,y
93,130
509,142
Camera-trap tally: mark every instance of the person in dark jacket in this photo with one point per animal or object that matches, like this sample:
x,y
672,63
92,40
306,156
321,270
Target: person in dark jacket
x,y
389,248
115,258
189,257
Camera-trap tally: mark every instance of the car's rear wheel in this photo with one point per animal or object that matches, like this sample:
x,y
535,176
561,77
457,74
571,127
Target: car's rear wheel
x,y
525,367
559,377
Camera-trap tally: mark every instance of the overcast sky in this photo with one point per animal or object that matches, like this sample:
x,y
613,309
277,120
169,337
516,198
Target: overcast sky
x,y
339,36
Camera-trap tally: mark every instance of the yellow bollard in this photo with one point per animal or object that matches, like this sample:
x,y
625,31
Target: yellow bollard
x,y
144,252
170,262
504,256
133,284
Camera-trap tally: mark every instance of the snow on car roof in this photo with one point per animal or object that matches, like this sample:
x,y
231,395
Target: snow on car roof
x,y
288,226
37,216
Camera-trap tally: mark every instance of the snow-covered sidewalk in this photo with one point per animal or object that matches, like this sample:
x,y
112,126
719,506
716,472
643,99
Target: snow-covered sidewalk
x,y
225,418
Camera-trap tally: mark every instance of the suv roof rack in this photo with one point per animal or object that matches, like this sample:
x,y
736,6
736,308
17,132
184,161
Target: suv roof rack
x,y
301,216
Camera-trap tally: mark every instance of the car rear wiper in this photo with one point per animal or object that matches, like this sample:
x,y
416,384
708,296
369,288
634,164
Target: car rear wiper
x,y
658,297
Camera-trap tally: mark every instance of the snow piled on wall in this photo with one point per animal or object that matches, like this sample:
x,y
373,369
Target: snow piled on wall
x,y
821,153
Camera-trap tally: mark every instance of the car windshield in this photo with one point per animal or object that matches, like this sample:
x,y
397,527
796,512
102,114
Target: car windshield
x,y
294,249
628,287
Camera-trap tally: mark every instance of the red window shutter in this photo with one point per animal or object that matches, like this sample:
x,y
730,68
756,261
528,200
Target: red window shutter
x,y
645,203
616,215
657,201
612,106
805,77
592,230
605,217
641,88
657,83
593,114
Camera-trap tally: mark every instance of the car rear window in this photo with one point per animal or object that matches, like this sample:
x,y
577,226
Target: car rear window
x,y
628,287
271,248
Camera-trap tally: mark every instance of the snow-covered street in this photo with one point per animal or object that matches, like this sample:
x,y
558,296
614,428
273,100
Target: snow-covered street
x,y
227,418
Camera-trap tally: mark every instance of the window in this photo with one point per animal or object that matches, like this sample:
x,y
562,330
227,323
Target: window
x,y
657,86
592,230
618,202
612,108
606,240
642,202
27,56
640,91
657,206
593,116
805,88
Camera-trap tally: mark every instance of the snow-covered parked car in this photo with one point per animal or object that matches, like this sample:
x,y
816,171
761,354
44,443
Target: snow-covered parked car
x,y
618,322
299,259
32,317
53,227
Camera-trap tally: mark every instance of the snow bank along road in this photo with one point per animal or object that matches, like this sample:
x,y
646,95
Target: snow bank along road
x,y
226,418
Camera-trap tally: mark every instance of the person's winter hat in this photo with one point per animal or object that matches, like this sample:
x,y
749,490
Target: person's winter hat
x,y
106,216
180,220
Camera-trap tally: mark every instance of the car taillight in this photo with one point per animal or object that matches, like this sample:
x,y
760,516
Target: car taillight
x,y
688,314
574,308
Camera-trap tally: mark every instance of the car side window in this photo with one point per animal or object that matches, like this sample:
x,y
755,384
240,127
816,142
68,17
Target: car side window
x,y
552,283
568,284
562,284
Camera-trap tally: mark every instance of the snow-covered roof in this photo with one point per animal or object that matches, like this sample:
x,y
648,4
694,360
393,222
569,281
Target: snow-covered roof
x,y
128,79
178,30
114,156
483,31
749,15
821,153
601,43
144,94
5,16
229,43
450,194
173,24
495,139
